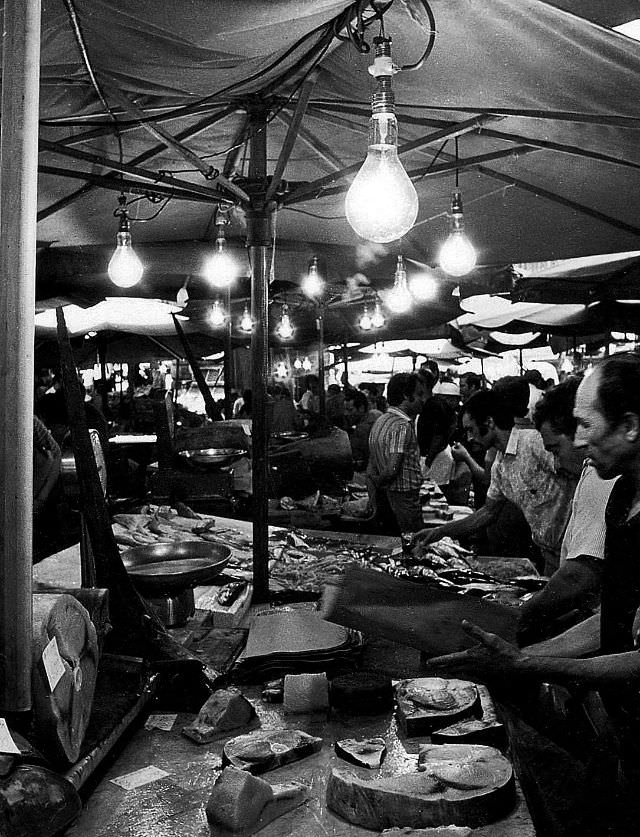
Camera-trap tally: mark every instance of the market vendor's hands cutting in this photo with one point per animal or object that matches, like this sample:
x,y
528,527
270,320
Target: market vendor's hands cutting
x,y
492,656
424,537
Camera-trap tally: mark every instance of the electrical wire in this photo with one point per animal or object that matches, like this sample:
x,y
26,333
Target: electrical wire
x,y
315,214
430,43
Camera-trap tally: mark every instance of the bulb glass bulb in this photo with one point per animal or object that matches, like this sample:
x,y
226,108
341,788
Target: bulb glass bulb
x,y
125,268
221,269
382,203
377,320
422,287
312,283
217,314
297,363
365,320
306,364
246,323
458,255
399,299
281,370
285,329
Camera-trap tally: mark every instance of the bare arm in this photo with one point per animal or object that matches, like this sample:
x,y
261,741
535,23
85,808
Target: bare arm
x,y
478,472
566,590
461,528
578,641
492,657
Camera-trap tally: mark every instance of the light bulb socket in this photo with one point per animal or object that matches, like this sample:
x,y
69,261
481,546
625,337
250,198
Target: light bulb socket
x,y
383,100
456,203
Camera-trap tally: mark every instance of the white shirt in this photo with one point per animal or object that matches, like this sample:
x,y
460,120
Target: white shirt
x,y
586,530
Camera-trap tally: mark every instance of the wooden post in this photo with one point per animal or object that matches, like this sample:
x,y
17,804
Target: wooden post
x,y
258,244
18,206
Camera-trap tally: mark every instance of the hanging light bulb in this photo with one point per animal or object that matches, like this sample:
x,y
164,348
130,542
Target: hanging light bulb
x,y
284,328
457,256
313,283
246,323
297,363
217,315
125,268
399,299
377,319
365,320
423,286
221,268
382,203
182,297
281,370
306,363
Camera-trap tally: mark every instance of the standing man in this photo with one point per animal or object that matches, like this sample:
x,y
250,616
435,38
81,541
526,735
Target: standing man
x,y
523,472
601,652
360,420
394,456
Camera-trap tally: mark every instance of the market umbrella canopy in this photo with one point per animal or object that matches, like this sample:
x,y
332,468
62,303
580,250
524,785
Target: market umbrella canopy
x,y
547,143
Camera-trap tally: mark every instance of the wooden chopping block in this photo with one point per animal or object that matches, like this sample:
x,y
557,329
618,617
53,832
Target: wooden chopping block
x,y
61,714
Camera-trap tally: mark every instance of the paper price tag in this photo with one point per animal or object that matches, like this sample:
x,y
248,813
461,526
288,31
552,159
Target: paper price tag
x,y
7,744
164,722
141,777
53,665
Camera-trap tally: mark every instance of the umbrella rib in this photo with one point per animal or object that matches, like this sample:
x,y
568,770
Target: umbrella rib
x,y
314,143
155,130
289,141
118,185
126,168
141,158
555,198
446,133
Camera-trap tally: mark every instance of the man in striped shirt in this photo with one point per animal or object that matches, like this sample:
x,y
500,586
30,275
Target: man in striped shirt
x,y
394,455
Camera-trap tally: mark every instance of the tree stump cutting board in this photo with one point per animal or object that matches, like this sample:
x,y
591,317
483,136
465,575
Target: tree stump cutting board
x,y
462,784
61,714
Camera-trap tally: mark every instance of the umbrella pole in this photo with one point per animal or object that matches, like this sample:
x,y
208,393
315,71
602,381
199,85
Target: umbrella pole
x,y
226,363
18,207
259,225
322,392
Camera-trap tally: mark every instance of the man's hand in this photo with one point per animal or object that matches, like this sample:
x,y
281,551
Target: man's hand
x,y
426,536
492,656
460,453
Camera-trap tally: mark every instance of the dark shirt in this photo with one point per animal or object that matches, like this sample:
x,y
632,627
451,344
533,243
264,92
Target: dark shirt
x,y
434,420
621,571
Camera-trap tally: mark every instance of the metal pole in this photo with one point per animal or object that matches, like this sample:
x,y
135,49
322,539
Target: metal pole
x,y
322,392
226,362
18,206
258,244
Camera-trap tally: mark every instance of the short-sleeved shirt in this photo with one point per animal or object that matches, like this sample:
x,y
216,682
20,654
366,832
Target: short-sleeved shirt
x,y
586,530
393,433
524,473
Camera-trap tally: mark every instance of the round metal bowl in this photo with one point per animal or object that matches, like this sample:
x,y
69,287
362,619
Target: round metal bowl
x,y
163,567
211,456
290,436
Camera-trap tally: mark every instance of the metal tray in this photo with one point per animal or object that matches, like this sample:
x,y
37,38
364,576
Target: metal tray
x,y
163,567
211,456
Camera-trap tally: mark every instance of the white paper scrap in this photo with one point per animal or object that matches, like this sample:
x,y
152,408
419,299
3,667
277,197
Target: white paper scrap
x,y
164,722
53,665
7,744
141,777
